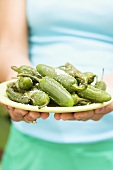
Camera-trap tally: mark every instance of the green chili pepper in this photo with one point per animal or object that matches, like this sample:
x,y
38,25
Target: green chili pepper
x,y
69,82
84,78
90,77
38,98
101,85
95,95
24,69
71,70
24,83
56,91
34,78
16,96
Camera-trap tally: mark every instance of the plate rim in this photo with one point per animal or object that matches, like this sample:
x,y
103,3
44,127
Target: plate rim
x,y
5,100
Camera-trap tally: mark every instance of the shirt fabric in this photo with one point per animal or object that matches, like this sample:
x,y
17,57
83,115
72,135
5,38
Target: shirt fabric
x,y
44,155
79,32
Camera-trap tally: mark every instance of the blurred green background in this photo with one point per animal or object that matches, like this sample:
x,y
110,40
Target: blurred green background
x,y
4,129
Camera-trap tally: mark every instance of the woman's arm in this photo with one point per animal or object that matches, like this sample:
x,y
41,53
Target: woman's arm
x,y
13,37
14,48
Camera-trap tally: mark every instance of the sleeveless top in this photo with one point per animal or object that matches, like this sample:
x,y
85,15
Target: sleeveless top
x,y
79,32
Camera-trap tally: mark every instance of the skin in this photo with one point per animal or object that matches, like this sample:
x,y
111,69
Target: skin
x,y
14,51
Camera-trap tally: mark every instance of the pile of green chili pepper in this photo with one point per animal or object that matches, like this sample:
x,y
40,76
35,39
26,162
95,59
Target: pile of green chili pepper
x,y
63,86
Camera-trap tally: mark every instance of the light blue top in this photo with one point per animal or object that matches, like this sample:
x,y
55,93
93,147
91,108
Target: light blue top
x,y
79,32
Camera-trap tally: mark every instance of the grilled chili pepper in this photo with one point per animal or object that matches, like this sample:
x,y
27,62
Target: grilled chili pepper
x,y
69,82
101,85
56,91
38,98
94,94
84,78
90,77
17,96
24,83
26,70
33,77
71,70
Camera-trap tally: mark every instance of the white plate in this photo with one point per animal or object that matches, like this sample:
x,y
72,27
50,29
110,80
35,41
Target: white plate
x,y
5,100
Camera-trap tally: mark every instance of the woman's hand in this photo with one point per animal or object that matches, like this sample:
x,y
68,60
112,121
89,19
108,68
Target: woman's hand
x,y
31,116
86,115
25,115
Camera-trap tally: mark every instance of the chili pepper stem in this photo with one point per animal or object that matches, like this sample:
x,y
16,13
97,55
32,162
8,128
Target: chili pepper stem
x,y
14,68
34,77
102,74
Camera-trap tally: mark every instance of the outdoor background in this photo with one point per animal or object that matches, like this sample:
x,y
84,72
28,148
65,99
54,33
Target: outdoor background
x,y
4,129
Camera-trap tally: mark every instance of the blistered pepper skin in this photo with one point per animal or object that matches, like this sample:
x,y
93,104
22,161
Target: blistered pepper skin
x,y
17,96
67,81
95,95
56,91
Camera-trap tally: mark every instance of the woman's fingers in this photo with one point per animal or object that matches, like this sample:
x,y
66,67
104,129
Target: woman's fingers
x,y
32,116
44,115
86,115
99,113
15,117
25,115
57,116
67,116
64,116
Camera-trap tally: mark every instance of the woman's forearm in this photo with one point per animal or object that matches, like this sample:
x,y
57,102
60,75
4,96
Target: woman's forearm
x,y
13,37
11,56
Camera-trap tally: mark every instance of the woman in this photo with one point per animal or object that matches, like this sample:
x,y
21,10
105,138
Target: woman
x,y
54,32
